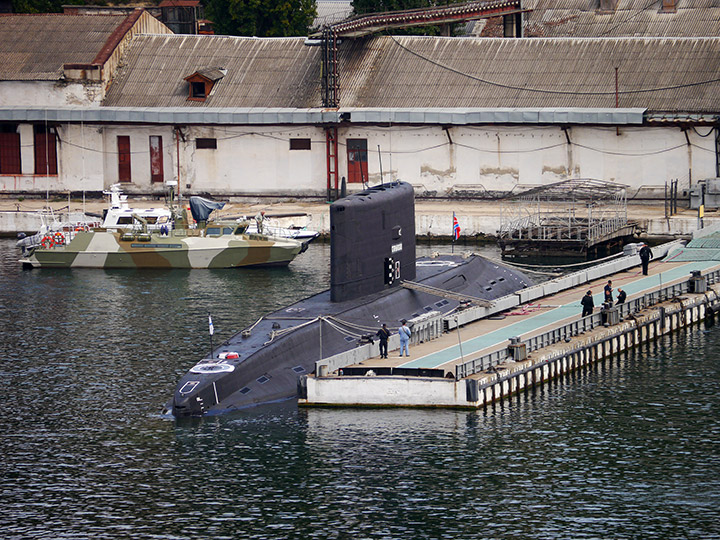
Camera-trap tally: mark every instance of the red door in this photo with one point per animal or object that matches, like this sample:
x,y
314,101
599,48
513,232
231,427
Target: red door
x,y
123,142
10,153
156,159
45,153
357,160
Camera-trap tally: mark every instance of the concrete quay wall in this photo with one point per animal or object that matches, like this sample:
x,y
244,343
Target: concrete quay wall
x,y
477,219
508,378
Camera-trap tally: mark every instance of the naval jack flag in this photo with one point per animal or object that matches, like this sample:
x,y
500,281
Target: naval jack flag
x,y
455,231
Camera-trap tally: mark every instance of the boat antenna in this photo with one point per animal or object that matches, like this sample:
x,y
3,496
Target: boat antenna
x,y
382,178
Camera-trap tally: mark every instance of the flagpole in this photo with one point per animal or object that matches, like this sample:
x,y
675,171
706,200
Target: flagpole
x,y
212,331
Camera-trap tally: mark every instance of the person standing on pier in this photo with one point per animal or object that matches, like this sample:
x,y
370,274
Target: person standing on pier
x,y
587,303
622,295
645,256
404,332
608,292
383,334
259,218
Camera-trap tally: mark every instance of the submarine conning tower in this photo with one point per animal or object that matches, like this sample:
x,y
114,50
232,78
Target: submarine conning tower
x,y
372,241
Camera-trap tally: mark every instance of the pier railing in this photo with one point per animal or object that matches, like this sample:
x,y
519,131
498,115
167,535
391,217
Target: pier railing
x,y
585,324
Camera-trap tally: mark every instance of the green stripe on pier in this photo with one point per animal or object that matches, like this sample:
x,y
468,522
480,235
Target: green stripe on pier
x,y
531,324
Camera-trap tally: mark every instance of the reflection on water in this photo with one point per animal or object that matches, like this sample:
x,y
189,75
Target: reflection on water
x,y
624,450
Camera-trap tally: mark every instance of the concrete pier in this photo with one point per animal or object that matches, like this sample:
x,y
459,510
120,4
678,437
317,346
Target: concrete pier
x,y
529,344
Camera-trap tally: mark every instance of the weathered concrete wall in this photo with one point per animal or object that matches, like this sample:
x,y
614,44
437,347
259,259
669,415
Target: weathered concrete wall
x,y
462,161
50,93
380,391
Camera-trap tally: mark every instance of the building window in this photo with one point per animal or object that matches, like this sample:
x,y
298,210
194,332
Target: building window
x,y
357,160
206,143
156,159
45,151
197,90
9,149
299,144
201,83
123,143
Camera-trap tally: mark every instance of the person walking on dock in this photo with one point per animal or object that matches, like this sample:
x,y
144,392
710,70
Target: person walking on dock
x,y
622,295
383,334
608,292
404,332
645,256
587,303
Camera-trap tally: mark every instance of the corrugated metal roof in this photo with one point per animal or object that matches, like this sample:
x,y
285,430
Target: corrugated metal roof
x,y
582,18
239,116
659,74
35,47
261,72
665,74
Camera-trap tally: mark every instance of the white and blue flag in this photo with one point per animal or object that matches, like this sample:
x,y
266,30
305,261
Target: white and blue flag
x,y
212,328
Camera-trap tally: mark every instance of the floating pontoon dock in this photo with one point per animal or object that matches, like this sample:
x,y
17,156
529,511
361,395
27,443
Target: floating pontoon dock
x,y
473,357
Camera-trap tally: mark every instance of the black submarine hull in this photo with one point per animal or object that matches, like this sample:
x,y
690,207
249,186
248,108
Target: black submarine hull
x,y
372,250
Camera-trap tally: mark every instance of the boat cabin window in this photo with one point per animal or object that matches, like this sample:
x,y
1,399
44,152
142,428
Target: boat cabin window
x,y
152,220
162,219
241,229
125,220
227,230
212,231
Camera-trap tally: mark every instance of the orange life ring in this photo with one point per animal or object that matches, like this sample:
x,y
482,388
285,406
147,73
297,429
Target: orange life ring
x,y
47,242
59,239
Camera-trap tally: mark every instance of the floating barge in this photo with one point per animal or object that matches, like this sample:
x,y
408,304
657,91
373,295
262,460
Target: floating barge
x,y
482,355
574,219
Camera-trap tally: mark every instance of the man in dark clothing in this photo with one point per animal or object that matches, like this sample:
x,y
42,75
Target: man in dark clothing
x,y
645,256
587,303
383,334
608,291
622,295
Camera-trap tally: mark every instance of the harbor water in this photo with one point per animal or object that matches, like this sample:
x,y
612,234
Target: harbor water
x,y
626,449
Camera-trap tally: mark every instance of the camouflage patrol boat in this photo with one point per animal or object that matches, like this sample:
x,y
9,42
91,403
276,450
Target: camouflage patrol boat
x,y
214,244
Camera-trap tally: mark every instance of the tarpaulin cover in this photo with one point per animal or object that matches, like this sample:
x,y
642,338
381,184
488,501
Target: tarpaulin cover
x,y
201,208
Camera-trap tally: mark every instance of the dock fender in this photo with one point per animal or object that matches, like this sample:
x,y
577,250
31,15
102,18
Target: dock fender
x,y
302,392
471,390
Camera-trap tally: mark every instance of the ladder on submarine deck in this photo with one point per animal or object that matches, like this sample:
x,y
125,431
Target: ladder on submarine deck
x,y
445,294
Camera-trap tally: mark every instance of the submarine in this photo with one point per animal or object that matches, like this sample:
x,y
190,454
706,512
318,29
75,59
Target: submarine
x,y
372,252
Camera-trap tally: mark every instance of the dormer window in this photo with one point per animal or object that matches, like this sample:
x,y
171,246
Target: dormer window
x,y
197,90
202,82
668,6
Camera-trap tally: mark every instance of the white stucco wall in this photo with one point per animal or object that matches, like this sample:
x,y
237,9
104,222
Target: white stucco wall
x,y
254,160
107,138
257,160
49,93
396,391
